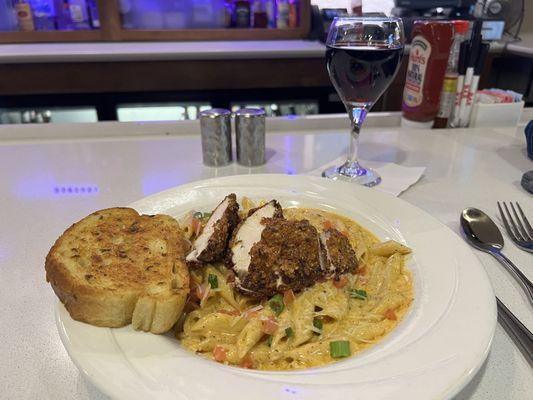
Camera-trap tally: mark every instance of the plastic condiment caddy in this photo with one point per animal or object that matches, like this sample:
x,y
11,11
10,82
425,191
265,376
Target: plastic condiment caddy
x,y
496,115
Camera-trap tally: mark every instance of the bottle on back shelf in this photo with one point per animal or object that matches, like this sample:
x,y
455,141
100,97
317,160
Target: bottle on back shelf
x,y
8,20
270,6
260,15
449,87
282,20
294,13
79,14
229,14
43,15
94,16
24,16
242,14
63,21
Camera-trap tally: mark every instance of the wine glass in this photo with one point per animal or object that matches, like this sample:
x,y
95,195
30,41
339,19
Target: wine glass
x,y
363,56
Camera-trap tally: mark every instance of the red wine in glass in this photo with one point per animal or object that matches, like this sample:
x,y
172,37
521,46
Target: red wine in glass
x,y
361,73
363,55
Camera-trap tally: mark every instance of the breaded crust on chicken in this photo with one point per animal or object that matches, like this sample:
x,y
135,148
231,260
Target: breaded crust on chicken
x,y
210,246
338,255
249,233
286,257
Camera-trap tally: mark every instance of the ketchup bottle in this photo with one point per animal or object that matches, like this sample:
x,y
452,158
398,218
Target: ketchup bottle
x,y
428,58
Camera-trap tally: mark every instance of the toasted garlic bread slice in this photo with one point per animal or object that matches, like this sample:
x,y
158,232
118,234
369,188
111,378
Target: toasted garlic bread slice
x,y
116,267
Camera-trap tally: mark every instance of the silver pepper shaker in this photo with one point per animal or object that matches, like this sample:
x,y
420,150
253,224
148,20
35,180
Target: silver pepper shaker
x,y
215,125
250,130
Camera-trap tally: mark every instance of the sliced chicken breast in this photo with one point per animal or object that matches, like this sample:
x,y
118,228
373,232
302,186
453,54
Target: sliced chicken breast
x,y
249,233
286,257
210,246
338,256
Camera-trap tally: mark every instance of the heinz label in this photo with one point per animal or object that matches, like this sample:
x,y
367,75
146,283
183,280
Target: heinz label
x,y
419,55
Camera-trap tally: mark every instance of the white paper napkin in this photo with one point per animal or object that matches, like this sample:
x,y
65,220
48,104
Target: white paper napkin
x,y
395,179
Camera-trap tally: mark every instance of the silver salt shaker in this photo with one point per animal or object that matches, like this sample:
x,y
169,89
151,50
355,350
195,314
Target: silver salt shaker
x,y
215,125
250,132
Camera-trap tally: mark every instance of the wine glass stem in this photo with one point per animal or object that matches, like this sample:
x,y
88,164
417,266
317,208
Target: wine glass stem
x,y
357,117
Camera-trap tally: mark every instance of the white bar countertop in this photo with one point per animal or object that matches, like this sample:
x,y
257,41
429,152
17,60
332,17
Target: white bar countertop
x,y
166,51
123,162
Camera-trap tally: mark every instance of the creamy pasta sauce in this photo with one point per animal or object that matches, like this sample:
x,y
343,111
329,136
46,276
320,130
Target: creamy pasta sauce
x,y
231,328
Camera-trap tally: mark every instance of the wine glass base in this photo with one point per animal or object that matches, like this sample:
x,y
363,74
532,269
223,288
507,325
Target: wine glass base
x,y
353,173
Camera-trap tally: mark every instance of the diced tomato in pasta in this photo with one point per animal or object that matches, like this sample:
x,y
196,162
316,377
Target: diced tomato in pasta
x,y
327,224
251,314
288,297
340,281
230,278
391,315
270,326
247,363
219,354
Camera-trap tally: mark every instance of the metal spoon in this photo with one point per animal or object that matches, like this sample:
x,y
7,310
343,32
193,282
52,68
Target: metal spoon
x,y
482,233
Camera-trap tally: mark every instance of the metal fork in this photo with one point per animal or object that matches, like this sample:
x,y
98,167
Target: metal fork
x,y
520,231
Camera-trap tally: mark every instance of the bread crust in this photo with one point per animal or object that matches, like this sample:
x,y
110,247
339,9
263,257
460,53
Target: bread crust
x,y
115,267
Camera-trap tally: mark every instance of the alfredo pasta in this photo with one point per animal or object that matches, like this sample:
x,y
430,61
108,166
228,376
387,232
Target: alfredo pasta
x,y
331,319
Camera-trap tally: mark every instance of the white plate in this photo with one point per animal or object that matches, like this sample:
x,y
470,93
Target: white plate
x,y
432,354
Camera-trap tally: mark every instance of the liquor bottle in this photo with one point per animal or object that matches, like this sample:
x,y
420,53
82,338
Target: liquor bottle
x,y
242,14
24,16
127,15
43,15
282,20
294,13
79,14
270,6
94,16
63,21
7,16
229,14
260,15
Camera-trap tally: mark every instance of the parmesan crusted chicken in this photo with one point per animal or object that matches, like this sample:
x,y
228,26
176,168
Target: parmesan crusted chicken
x,y
210,246
337,255
248,233
270,254
286,257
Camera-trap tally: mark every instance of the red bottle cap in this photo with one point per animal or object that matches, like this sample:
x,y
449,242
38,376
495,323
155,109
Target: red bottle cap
x,y
461,26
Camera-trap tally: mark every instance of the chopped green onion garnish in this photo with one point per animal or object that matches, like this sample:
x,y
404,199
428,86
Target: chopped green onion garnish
x,y
197,215
269,341
358,294
339,348
317,323
289,332
276,304
206,215
213,281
